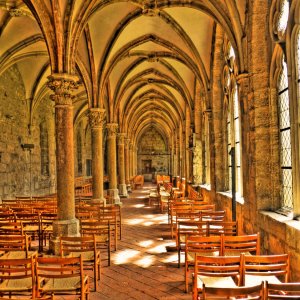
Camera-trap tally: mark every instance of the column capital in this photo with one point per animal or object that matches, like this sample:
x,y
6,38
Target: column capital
x,y
127,142
112,129
242,77
96,117
63,86
121,138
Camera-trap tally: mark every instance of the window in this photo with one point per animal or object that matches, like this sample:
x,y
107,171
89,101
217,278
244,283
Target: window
x,y
206,151
79,154
233,132
44,149
285,139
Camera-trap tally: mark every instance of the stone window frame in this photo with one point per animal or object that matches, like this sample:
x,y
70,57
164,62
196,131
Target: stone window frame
x,y
230,90
286,44
44,149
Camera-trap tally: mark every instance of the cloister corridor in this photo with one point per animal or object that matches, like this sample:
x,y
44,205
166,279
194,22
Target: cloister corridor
x,y
142,268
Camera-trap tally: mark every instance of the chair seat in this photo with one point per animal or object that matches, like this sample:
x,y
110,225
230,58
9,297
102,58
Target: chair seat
x,y
16,285
256,279
86,255
234,253
101,239
215,281
56,284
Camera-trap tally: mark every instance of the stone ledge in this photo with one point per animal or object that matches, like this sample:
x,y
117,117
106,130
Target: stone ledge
x,y
282,219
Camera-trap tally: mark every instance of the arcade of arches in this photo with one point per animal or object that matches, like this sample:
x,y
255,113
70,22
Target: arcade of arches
x,y
118,88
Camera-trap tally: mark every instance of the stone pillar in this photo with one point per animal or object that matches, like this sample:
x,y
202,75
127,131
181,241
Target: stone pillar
x,y
126,154
113,191
66,223
96,118
121,165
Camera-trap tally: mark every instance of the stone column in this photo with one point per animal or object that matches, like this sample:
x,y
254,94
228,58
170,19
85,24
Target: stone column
x,y
66,223
113,191
126,154
121,165
96,118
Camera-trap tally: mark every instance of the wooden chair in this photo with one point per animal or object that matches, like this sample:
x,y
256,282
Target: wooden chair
x,y
199,245
235,245
86,247
46,227
223,227
61,276
269,268
188,228
282,290
11,227
15,243
17,277
255,292
216,271
212,215
101,231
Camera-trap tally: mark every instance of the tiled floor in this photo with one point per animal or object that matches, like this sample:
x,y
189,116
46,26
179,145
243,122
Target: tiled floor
x,y
142,268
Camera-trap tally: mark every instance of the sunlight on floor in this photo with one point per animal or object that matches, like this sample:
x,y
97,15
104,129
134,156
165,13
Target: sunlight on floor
x,y
138,205
172,258
146,244
146,261
125,256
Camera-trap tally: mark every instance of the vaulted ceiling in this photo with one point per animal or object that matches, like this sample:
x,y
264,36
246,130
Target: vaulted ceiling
x,y
141,60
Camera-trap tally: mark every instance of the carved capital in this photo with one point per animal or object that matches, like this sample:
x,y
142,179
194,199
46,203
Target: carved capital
x,y
127,142
121,138
62,85
16,12
96,117
112,129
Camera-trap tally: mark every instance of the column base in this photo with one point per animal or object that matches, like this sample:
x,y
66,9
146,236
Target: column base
x,y
129,188
123,190
63,228
98,201
114,196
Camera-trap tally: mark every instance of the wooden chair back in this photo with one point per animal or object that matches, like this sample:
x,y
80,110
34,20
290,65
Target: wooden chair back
x,y
14,243
217,271
282,290
11,227
200,245
212,215
101,231
235,245
273,268
223,227
17,277
255,292
86,247
61,275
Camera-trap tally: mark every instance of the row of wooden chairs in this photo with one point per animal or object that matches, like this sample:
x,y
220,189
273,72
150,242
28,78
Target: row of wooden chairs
x,y
242,270
217,246
39,276
267,291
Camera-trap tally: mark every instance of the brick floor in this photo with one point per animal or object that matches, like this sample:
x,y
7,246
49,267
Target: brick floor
x,y
142,268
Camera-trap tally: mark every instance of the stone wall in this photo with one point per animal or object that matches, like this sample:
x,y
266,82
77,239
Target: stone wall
x,y
152,156
14,131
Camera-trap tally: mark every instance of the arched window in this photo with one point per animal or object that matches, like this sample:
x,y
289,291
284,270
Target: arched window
x,y
79,153
206,151
44,149
285,139
233,133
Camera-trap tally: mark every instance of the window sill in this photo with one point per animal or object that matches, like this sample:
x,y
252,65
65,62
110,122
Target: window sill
x,y
228,194
289,221
206,186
